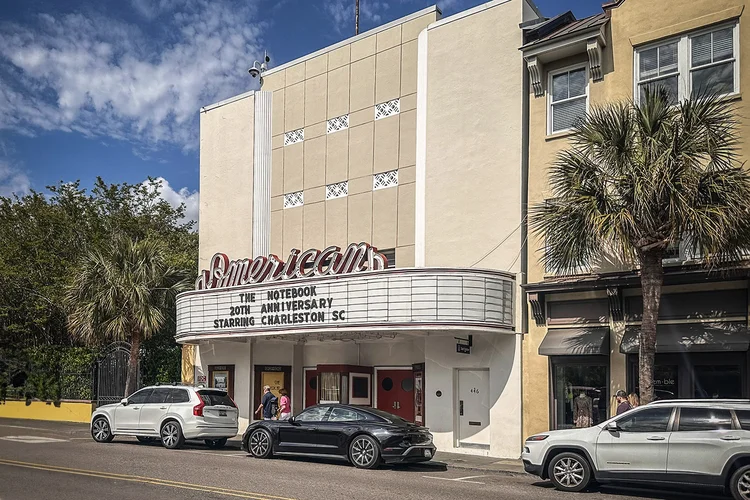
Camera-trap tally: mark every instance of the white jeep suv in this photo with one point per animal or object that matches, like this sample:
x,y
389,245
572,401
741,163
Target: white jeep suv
x,y
677,443
171,413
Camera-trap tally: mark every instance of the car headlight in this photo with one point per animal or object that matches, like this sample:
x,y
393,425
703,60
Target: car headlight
x,y
538,437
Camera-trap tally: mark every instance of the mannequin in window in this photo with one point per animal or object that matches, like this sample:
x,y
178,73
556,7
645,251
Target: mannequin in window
x,y
583,411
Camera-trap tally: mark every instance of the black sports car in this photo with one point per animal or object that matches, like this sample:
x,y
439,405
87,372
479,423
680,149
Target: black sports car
x,y
364,436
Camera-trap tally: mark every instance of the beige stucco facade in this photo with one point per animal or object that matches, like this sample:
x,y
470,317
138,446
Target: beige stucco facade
x,y
632,25
423,119
226,177
348,79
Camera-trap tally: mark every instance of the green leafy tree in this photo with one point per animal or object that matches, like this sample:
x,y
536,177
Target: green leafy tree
x,y
42,236
123,292
640,178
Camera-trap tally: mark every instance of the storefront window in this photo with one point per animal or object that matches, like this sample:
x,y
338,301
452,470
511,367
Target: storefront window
x,y
711,381
666,378
580,394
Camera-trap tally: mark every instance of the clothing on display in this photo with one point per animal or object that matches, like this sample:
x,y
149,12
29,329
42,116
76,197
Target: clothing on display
x,y
584,409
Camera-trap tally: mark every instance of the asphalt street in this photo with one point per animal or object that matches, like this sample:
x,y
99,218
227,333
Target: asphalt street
x,y
46,460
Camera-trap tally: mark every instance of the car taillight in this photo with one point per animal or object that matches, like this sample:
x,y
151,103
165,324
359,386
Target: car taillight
x,y
198,409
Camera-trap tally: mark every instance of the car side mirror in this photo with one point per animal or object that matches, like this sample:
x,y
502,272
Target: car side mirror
x,y
124,401
292,421
612,427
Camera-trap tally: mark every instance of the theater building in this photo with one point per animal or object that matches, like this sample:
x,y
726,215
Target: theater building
x,y
582,340
361,229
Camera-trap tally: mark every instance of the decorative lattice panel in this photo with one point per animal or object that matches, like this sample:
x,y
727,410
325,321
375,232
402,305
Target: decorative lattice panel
x,y
385,179
388,108
292,200
294,136
338,123
337,190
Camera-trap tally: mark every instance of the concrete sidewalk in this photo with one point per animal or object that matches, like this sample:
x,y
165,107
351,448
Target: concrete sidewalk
x,y
452,461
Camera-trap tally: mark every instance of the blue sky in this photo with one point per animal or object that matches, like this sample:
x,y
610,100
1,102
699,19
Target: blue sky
x,y
112,88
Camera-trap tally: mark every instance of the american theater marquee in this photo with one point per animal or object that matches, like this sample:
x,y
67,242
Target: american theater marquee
x,y
333,292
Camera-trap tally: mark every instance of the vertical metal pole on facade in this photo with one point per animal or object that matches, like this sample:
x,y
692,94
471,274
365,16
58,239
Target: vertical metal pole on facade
x,y
356,17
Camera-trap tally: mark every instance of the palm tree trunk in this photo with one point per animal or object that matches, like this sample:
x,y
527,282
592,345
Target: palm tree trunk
x,y
652,279
131,382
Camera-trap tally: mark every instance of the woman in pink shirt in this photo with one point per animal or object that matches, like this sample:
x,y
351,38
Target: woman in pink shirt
x,y
285,407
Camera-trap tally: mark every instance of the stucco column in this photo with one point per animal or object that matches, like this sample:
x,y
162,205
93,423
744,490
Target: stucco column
x,y
298,378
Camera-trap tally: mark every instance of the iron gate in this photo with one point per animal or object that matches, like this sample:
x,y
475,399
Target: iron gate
x,y
112,373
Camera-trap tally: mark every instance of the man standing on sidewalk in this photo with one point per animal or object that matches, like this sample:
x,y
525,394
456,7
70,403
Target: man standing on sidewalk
x,y
622,402
267,403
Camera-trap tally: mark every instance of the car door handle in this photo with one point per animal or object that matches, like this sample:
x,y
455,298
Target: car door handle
x,y
730,438
162,407
136,407
656,438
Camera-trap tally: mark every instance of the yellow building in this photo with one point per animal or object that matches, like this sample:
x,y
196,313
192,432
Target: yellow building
x,y
582,336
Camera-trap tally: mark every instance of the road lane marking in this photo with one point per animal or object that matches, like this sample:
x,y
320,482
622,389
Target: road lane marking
x,y
32,439
145,480
457,479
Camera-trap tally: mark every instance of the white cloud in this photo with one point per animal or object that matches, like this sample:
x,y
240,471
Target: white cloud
x,y
100,76
13,180
191,199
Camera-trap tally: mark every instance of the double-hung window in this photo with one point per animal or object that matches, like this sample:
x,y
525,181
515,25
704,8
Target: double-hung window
x,y
702,62
568,98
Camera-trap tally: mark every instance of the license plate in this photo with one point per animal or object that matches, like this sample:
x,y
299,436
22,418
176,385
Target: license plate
x,y
428,453
222,413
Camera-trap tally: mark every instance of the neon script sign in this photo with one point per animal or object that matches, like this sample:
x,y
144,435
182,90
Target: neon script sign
x,y
355,258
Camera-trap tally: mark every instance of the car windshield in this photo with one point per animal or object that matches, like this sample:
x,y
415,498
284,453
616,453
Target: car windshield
x,y
384,414
216,398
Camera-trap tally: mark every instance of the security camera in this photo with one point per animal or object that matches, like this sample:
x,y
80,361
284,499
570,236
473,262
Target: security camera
x,y
256,69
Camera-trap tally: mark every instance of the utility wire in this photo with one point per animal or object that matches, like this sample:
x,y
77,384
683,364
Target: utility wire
x,y
499,244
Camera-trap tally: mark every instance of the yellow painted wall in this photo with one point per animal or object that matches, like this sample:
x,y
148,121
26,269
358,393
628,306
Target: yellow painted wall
x,y
68,411
188,364
633,23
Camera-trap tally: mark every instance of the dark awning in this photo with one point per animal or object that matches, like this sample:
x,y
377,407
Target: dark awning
x,y
691,337
575,341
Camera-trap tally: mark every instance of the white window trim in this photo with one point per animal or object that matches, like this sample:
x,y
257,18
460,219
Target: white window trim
x,y
554,73
684,56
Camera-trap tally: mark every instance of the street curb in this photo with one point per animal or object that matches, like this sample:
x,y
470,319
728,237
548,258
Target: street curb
x,y
236,444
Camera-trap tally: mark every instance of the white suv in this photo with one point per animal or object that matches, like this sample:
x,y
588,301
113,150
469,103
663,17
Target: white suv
x,y
678,443
171,413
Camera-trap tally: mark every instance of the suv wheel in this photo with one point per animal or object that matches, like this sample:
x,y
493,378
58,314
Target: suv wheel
x,y
740,483
100,431
569,472
171,435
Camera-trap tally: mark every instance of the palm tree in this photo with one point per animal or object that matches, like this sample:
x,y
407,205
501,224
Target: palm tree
x,y
122,292
640,178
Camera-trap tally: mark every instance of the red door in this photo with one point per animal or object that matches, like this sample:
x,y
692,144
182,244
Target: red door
x,y
311,387
396,392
